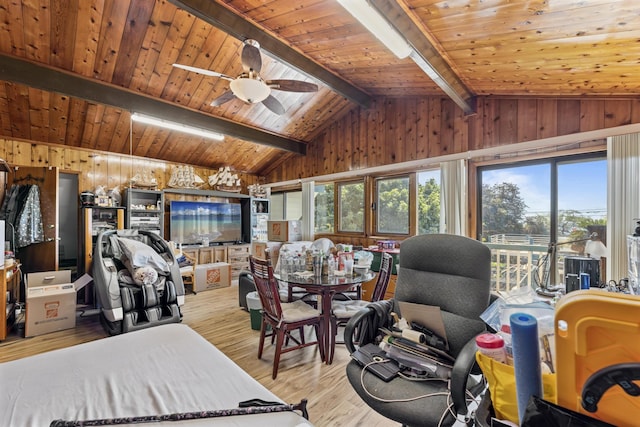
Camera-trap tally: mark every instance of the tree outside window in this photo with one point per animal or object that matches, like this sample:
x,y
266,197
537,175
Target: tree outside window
x,y
324,208
392,205
351,207
429,202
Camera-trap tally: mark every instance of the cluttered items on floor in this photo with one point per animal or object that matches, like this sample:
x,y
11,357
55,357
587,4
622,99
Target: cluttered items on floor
x,y
585,369
598,355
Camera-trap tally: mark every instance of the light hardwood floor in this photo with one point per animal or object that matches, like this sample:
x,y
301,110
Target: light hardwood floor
x,y
216,316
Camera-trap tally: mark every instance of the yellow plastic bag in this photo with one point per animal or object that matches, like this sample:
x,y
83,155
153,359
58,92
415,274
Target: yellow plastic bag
x,y
502,385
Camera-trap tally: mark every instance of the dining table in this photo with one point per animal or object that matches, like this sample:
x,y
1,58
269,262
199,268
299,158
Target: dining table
x,y
326,287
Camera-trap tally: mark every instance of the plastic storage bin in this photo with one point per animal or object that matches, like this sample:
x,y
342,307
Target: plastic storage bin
x,y
255,310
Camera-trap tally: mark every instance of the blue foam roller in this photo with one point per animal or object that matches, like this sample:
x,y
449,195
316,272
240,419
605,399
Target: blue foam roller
x,y
526,359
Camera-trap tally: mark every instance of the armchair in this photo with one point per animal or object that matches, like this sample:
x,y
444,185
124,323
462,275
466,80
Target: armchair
x,y
449,271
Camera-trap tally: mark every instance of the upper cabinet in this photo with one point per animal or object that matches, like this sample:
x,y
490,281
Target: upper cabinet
x,y
145,210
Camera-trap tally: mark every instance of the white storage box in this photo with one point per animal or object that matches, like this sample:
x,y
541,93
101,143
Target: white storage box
x,y
50,302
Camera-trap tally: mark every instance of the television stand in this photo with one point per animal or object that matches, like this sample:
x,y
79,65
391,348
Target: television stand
x,y
236,254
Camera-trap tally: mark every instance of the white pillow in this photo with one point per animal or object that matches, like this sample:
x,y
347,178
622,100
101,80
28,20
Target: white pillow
x,y
142,255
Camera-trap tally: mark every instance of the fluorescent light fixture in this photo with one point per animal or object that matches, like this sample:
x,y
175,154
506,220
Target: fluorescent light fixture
x,y
141,118
377,25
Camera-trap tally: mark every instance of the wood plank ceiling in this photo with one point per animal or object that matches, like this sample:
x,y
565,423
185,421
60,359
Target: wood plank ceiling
x,y
72,71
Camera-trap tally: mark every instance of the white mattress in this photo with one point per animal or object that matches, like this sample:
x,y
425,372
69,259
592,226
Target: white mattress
x,y
160,370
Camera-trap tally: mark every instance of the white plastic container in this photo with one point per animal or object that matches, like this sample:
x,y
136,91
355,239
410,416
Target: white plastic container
x,y
492,345
255,310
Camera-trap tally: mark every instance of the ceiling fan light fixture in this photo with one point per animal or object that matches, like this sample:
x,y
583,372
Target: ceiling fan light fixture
x,y
250,90
154,121
377,25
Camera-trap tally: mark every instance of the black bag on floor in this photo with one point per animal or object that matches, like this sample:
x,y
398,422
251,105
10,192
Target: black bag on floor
x,y
541,413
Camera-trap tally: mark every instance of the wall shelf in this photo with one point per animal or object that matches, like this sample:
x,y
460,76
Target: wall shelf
x,y
151,219
93,221
206,193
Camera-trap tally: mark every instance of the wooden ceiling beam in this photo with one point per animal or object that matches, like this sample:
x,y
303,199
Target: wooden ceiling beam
x,y
50,79
235,25
428,57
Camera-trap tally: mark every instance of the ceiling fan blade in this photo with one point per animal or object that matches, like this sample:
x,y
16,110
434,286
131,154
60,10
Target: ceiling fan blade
x,y
227,96
273,104
203,71
292,85
251,58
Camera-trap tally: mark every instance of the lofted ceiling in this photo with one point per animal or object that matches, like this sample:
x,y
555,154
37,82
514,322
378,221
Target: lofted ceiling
x,y
72,71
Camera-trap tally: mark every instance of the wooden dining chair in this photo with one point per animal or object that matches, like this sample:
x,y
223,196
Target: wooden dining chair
x,y
282,317
343,310
187,272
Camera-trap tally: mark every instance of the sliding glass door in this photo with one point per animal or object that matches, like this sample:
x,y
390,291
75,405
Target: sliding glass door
x,y
533,214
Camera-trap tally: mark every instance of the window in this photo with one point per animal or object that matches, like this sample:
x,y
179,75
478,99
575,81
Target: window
x,y
324,208
351,207
534,204
286,205
429,202
516,201
293,205
392,205
277,206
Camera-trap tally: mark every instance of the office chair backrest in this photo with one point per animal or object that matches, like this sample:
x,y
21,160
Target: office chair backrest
x,y
451,272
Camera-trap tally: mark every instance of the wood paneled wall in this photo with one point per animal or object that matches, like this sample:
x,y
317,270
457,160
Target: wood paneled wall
x,y
396,130
94,167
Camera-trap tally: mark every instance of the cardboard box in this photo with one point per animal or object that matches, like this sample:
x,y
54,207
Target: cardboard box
x,y
50,302
212,276
284,231
258,250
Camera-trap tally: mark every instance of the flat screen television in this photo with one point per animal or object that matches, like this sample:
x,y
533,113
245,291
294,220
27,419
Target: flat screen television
x,y
192,223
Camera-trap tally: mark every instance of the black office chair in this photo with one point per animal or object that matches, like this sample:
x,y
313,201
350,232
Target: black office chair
x,y
454,273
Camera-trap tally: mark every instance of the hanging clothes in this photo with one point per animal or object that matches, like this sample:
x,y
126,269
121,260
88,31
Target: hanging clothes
x,y
10,209
10,204
28,223
5,202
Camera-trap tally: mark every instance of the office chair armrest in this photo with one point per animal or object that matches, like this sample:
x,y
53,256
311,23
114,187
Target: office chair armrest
x,y
365,324
462,369
352,326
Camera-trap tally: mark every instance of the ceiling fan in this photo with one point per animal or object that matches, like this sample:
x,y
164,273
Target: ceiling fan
x,y
249,86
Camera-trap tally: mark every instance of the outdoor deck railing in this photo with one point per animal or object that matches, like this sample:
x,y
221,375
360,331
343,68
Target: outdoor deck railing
x,y
516,265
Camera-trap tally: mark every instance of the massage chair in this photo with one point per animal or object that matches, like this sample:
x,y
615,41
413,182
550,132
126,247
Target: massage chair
x,y
126,304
